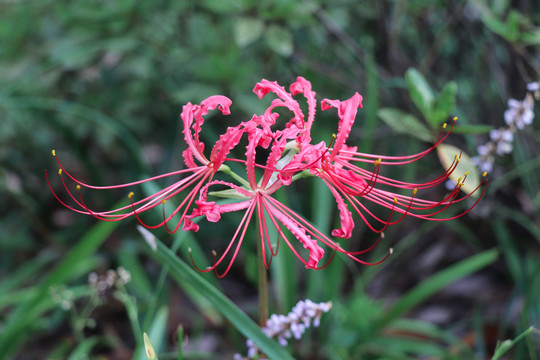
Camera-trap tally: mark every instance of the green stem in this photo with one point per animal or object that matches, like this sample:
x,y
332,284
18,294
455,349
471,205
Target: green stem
x,y
227,170
262,285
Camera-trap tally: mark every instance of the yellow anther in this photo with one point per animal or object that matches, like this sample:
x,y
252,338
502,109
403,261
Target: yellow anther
x,y
334,136
163,201
54,152
455,118
459,180
78,187
377,162
214,253
130,195
444,126
414,191
395,200
59,171
467,173
484,174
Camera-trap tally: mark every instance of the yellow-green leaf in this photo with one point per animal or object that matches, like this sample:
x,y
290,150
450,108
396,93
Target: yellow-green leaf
x,y
405,123
149,348
447,154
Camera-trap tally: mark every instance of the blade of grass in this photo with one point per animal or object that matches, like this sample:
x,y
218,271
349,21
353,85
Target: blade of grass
x,y
84,348
180,354
506,345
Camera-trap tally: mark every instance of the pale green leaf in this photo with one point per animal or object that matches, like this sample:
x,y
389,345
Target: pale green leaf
x,y
405,123
279,39
447,153
420,91
247,30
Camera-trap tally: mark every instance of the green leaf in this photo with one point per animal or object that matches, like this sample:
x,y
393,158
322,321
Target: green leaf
x,y
420,92
405,123
247,30
279,39
447,154
182,272
435,283
512,26
531,37
494,24
445,104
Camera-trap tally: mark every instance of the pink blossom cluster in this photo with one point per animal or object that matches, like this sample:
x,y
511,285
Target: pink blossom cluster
x,y
288,154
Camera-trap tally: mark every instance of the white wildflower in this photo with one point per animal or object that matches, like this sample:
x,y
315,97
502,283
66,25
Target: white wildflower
x,y
519,113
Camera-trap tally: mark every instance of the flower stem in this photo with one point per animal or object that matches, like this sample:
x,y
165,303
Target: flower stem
x,y
262,285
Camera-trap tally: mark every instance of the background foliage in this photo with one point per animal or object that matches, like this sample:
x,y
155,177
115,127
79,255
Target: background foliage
x,y
103,82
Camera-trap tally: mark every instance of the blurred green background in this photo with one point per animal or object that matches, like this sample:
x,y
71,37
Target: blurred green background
x,y
103,83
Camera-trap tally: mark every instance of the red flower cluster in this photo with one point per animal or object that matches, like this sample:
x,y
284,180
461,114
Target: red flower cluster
x,y
291,156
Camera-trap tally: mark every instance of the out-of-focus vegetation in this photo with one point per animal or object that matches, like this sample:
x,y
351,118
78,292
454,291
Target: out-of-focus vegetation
x,y
103,83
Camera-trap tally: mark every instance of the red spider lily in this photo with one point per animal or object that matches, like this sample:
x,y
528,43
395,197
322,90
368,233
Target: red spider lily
x,y
197,174
290,153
